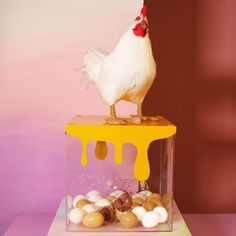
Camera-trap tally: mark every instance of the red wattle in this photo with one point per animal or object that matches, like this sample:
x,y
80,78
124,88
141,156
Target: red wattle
x,y
139,31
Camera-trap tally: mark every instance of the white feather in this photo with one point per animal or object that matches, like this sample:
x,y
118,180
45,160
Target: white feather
x,y
125,74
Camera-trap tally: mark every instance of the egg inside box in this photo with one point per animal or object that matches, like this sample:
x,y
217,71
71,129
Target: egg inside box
x,y
119,176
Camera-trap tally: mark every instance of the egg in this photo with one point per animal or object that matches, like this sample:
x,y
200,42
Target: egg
x,y
150,219
157,201
82,203
75,215
162,212
149,206
129,220
102,202
138,200
118,214
89,208
93,220
167,200
154,195
77,198
108,214
117,193
123,203
93,192
94,198
139,211
134,204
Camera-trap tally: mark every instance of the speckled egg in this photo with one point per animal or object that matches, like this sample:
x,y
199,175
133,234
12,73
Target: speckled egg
x,y
75,215
93,220
129,220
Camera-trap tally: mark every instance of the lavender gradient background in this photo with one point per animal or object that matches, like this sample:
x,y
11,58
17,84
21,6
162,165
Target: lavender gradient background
x,y
42,43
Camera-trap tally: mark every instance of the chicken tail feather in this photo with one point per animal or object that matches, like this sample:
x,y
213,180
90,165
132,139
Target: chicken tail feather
x,y
92,63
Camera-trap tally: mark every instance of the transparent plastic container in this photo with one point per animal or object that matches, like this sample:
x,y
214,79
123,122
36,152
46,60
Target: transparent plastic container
x,y
131,159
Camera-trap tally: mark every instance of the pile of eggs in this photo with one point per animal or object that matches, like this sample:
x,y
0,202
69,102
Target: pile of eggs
x,y
143,208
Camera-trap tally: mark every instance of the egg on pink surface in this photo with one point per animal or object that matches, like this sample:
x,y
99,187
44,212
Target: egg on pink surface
x,y
75,215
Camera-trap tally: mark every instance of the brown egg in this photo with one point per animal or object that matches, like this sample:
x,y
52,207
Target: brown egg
x,y
135,204
157,201
123,203
155,195
82,203
138,200
167,200
149,206
107,213
129,220
118,214
93,220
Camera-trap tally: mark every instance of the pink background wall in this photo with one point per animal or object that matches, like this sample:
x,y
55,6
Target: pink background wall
x,y
41,46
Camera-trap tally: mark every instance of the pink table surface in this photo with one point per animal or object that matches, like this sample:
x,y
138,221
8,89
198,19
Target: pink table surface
x,y
37,224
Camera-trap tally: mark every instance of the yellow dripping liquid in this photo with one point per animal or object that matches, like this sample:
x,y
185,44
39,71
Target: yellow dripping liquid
x,y
88,128
101,150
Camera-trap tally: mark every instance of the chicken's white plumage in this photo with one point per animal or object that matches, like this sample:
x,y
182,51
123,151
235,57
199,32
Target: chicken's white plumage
x,y
126,73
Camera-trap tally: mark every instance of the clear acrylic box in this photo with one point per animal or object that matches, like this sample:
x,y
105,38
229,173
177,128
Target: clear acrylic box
x,y
139,160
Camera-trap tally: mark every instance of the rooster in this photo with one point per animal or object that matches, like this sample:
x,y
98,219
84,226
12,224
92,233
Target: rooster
x,y
128,71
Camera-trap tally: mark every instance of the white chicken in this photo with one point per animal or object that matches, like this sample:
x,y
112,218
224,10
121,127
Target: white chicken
x,y
128,71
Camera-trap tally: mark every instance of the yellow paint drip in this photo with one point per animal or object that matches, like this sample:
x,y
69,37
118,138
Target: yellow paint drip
x,y
101,150
129,130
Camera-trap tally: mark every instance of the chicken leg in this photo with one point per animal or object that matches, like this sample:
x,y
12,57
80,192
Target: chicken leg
x,y
139,111
113,112
101,146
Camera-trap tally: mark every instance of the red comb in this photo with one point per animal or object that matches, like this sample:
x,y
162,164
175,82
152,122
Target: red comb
x,y
144,11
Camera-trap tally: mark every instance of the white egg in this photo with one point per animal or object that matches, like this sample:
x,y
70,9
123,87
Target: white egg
x,y
77,198
150,219
139,211
162,212
76,215
102,202
93,192
117,193
89,208
94,198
